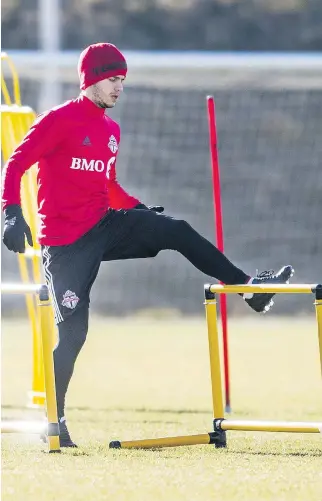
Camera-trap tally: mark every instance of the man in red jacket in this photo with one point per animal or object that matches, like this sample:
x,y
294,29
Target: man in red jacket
x,y
86,217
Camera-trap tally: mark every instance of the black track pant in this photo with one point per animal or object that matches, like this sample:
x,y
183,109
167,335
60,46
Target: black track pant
x,y
122,234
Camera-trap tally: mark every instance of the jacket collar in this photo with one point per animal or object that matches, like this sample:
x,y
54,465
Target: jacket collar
x,y
89,107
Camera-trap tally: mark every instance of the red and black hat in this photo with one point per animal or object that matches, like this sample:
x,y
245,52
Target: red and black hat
x,y
100,61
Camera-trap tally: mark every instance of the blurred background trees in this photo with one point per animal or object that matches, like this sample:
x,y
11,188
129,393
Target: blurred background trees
x,y
237,25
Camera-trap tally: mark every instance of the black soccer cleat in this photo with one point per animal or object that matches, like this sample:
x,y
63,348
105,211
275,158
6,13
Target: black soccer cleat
x,y
262,302
64,436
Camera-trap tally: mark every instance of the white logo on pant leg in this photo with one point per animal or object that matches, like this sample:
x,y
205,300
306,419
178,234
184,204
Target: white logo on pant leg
x,y
112,144
70,300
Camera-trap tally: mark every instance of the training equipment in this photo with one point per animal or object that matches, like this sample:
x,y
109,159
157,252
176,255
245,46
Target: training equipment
x,y
220,424
51,427
64,437
15,122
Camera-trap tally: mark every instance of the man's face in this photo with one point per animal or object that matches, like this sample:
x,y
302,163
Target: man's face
x,y
106,92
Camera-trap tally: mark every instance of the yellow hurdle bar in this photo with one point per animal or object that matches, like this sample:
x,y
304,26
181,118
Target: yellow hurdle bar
x,y
153,443
211,438
283,426
275,289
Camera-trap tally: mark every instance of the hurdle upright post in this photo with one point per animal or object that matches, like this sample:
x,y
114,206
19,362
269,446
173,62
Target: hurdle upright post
x,y
219,436
49,374
220,424
318,309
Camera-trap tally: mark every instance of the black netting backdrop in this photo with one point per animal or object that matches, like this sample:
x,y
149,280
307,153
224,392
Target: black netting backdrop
x,y
270,152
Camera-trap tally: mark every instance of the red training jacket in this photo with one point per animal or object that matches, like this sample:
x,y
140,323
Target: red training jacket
x,y
76,146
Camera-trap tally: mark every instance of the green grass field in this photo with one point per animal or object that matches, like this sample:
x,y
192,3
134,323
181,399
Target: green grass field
x,y
144,378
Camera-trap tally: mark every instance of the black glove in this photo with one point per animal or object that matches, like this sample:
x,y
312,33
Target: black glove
x,y
15,229
154,208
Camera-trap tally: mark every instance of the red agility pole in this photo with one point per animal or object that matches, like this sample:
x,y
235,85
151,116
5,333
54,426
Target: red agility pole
x,y
219,232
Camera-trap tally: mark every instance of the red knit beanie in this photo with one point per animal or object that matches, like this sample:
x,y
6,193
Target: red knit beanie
x,y
100,61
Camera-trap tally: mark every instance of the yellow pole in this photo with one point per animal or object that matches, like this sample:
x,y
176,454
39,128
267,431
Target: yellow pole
x,y
219,435
37,394
214,353
318,309
17,120
15,78
49,374
293,427
153,443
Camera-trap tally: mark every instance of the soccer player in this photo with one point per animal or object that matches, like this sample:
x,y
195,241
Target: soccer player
x,y
86,217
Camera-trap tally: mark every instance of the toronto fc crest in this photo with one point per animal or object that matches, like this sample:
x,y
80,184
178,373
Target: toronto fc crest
x,y
70,300
112,144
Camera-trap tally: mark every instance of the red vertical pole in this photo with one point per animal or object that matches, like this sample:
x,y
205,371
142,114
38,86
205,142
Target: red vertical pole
x,y
219,232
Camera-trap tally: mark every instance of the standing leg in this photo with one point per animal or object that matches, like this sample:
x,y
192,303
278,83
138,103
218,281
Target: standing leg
x,y
70,272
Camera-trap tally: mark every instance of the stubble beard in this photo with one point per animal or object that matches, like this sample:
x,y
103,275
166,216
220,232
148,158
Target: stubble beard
x,y
99,101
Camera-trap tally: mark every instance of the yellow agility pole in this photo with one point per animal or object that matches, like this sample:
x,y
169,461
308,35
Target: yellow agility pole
x,y
16,121
215,365
49,373
220,424
154,443
15,78
294,427
46,326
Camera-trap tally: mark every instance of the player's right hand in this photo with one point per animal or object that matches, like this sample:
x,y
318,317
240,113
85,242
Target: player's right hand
x,y
153,208
15,229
